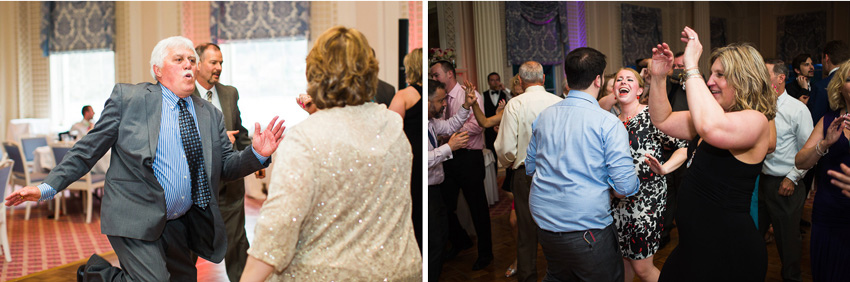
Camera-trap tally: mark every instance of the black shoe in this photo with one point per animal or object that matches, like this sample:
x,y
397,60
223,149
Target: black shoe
x,y
481,263
81,271
454,251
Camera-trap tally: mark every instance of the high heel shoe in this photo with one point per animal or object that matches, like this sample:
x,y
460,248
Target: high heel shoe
x,y
510,272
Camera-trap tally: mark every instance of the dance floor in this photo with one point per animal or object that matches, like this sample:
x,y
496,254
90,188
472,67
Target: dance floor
x,y
44,249
504,250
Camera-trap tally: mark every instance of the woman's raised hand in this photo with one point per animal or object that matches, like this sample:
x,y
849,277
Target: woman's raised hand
x,y
694,48
662,60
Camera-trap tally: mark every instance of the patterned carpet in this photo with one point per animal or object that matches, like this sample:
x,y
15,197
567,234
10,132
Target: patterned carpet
x,y
41,243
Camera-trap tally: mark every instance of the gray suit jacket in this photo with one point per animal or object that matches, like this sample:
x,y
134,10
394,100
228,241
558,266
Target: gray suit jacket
x,y
133,200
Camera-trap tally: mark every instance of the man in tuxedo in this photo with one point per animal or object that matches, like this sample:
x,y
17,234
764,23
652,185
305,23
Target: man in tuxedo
x,y
802,86
231,196
170,151
834,53
492,96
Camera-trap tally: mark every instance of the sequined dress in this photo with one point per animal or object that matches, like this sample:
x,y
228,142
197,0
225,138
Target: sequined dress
x,y
339,205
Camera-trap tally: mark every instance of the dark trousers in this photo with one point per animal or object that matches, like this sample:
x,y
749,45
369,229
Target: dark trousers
x,y
437,234
165,259
527,229
784,212
231,202
576,256
466,173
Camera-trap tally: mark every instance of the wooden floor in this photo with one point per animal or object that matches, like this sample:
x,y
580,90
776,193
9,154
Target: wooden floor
x,y
504,250
207,271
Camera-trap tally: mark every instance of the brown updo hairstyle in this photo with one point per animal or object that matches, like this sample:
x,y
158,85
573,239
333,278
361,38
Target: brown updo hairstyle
x,y
341,69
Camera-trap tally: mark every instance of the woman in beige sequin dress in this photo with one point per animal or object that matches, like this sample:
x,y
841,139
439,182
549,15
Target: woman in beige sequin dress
x,y
339,206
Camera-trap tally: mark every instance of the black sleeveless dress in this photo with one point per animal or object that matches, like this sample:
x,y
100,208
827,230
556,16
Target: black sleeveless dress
x,y
413,130
718,240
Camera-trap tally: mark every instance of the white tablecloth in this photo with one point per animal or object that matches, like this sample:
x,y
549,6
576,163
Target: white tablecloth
x,y
26,127
43,160
491,187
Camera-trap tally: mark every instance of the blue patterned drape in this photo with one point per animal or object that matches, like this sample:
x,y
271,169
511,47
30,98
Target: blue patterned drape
x,y
641,31
236,20
78,25
801,33
718,32
538,32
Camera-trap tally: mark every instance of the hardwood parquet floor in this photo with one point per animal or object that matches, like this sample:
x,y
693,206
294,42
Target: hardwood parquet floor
x,y
504,250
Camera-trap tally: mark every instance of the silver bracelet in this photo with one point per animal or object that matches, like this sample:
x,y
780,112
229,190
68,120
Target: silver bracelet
x,y
817,150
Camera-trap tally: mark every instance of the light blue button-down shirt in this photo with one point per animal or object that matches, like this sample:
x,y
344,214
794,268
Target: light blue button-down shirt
x,y
169,166
576,153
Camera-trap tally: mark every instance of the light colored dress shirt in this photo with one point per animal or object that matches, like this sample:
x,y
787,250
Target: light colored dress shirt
x,y
439,154
339,205
793,127
169,165
515,128
456,97
82,128
577,151
214,100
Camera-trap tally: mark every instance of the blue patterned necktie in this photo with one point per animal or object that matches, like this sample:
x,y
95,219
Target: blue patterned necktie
x,y
194,156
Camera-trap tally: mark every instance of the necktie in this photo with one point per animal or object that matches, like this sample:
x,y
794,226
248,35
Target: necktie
x,y
432,139
209,96
194,156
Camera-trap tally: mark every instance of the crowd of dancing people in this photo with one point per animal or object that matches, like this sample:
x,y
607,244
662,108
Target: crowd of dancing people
x,y
737,148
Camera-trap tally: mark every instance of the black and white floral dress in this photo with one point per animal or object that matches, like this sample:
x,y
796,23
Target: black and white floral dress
x,y
639,218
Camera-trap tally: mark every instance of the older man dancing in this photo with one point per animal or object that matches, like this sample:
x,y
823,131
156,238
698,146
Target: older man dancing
x,y
170,151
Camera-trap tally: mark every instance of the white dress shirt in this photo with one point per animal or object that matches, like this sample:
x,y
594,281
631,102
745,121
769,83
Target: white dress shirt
x,y
793,127
515,128
438,155
203,91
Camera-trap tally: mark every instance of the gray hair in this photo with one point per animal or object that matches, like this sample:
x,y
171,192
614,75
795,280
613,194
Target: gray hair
x,y
778,66
160,51
531,72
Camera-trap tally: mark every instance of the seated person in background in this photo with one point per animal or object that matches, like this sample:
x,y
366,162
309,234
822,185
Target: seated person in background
x,y
82,128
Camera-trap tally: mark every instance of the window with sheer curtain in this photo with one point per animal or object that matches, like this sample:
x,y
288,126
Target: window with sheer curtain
x,y
269,74
79,78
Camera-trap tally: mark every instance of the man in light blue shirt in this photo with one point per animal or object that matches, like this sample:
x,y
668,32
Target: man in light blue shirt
x,y
577,154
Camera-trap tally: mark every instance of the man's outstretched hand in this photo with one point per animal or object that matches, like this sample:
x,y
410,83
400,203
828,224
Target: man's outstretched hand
x,y
266,141
29,193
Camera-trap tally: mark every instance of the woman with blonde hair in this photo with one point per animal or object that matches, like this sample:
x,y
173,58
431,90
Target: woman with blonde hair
x,y
729,123
829,147
408,103
638,218
339,205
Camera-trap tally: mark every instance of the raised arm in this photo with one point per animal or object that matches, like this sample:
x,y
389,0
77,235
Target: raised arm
x,y
818,145
675,124
740,130
487,122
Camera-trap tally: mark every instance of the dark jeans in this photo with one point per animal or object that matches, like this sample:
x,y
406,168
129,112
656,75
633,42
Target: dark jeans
x,y
437,234
466,173
527,229
590,255
784,213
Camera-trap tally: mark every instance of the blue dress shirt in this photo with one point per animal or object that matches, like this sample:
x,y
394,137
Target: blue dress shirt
x,y
169,166
576,153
